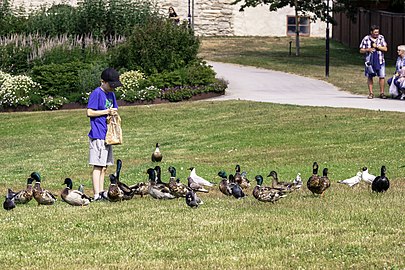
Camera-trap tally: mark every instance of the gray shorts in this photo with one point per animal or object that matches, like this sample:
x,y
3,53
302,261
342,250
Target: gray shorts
x,y
100,153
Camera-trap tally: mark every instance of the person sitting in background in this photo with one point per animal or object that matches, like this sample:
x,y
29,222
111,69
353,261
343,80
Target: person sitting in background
x,y
173,15
397,88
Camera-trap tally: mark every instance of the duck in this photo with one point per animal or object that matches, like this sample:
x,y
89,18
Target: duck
x,y
287,186
266,194
157,155
159,181
114,193
42,196
74,197
381,182
240,178
317,184
366,176
195,186
157,191
177,188
140,188
128,193
24,196
352,181
224,184
199,180
192,200
9,202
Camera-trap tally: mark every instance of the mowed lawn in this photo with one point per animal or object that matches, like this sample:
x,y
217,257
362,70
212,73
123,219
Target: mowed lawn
x,y
347,228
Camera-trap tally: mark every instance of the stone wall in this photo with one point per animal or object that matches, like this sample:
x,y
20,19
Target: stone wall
x,y
219,17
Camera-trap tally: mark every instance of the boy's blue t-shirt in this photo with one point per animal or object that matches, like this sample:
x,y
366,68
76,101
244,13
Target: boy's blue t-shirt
x,y
100,100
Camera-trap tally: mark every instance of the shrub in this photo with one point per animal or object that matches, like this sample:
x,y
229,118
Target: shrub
x,y
67,80
53,103
157,46
15,91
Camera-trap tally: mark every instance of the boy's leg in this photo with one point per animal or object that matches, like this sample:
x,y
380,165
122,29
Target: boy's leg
x,y
98,180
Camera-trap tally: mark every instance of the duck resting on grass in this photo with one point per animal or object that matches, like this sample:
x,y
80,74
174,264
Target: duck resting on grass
x,y
275,183
42,196
74,197
114,193
267,194
381,182
224,184
24,196
9,202
177,188
317,184
157,191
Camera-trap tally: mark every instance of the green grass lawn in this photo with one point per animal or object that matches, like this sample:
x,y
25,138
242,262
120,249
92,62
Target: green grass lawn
x,y
347,228
346,65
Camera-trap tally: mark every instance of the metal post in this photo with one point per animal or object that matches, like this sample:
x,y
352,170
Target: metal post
x,y
192,14
189,13
327,40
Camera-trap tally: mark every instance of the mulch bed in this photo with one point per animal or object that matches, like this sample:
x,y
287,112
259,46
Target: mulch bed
x,y
75,105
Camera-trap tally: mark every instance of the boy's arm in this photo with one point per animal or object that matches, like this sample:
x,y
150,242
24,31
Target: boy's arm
x,y
95,113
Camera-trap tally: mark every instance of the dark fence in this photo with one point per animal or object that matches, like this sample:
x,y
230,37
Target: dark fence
x,y
392,27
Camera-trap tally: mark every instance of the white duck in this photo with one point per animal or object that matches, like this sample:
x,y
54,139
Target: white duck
x,y
366,176
199,180
353,180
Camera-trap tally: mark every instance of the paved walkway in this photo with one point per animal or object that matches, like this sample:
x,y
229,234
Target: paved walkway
x,y
256,84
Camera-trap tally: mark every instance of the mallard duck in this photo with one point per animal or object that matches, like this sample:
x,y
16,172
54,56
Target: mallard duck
x,y
381,182
352,181
157,155
114,193
177,188
195,186
317,184
287,186
9,202
245,181
192,199
224,184
157,191
159,181
199,180
140,188
266,194
73,197
42,196
366,176
25,195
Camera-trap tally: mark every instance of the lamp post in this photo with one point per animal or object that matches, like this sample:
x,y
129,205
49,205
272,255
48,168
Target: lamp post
x,y
189,13
327,41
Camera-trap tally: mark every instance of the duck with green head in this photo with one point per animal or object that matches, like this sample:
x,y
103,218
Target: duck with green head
x,y
266,194
74,197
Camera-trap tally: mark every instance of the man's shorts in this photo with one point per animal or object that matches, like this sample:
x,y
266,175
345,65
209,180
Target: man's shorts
x,y
380,73
100,153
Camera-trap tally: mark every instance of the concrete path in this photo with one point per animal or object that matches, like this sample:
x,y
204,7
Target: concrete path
x,y
256,84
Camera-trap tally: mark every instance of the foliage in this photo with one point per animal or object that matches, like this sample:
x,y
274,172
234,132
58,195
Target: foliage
x,y
53,103
346,229
65,79
130,85
15,90
157,46
101,18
